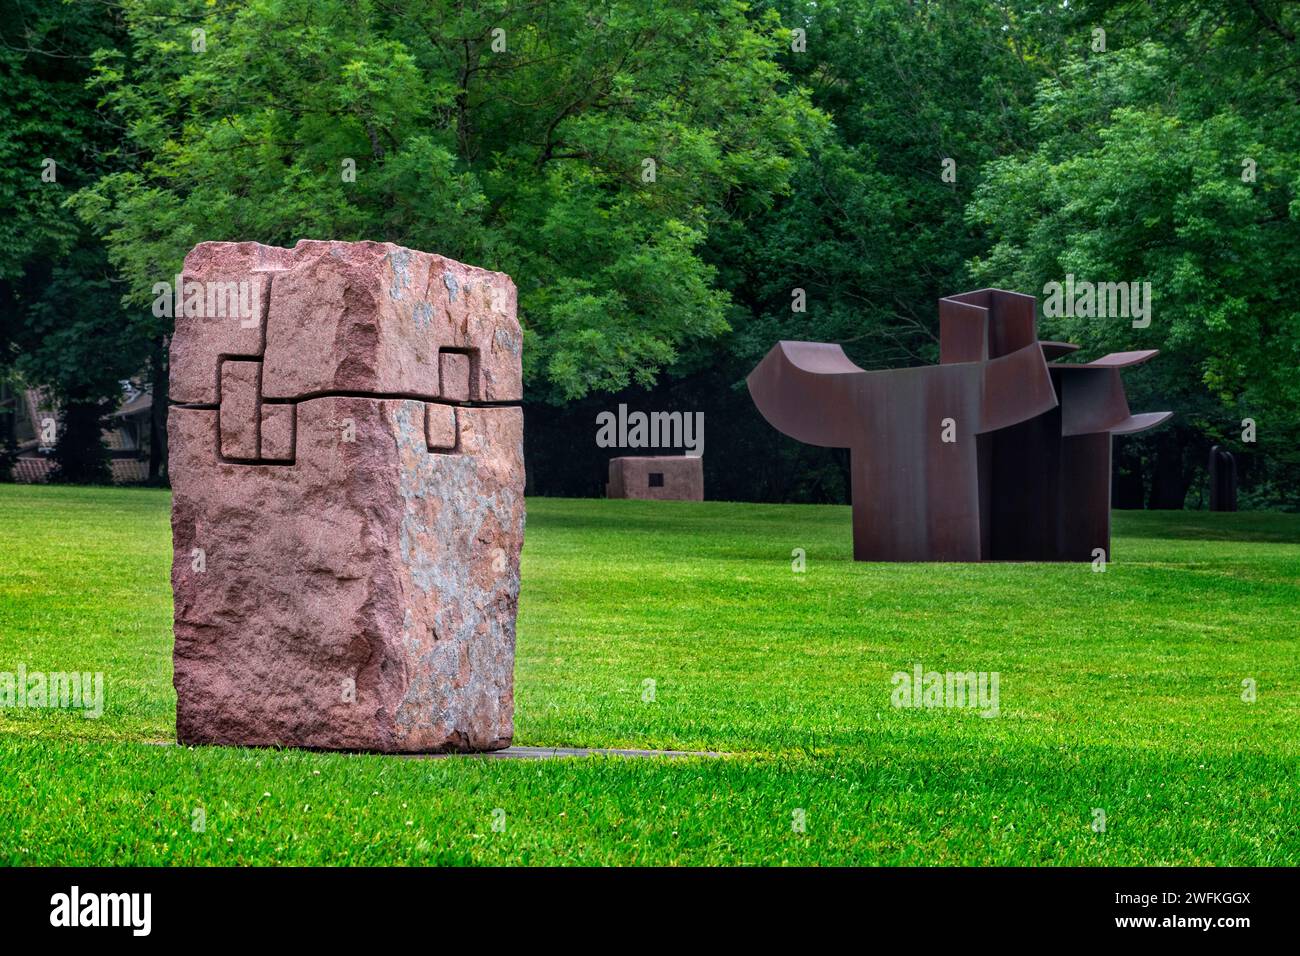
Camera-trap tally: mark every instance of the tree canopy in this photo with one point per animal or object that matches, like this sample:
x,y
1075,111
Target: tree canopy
x,y
585,149
674,186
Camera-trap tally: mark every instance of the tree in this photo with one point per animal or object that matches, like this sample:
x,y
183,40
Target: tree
x,y
868,238
586,150
871,234
62,324
1173,162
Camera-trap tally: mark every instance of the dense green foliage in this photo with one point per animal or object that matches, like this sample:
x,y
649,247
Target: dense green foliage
x,y
666,181
525,150
1120,691
63,324
1172,158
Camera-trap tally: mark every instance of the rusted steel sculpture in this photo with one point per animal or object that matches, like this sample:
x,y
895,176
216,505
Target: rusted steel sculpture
x,y
996,453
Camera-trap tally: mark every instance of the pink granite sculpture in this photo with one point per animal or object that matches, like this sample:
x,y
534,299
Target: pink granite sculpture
x,y
656,478
348,506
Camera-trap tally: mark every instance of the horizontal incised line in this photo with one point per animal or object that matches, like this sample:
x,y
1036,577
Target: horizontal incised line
x,y
381,396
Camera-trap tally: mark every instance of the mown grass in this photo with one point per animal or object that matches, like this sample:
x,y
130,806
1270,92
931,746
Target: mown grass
x,y
1119,691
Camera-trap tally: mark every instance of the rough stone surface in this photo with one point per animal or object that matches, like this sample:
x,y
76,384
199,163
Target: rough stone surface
x,y
455,376
374,317
679,478
239,411
360,593
277,433
440,423
201,339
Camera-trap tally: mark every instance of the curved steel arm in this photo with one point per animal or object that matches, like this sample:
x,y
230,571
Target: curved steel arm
x,y
808,390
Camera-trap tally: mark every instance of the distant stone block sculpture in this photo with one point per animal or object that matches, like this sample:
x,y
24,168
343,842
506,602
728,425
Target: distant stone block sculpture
x,y
657,478
348,508
996,453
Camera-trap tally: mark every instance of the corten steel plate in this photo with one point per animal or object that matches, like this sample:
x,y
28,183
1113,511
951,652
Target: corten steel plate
x,y
993,454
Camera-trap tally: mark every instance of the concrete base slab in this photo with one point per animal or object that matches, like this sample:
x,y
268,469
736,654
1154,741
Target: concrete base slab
x,y
534,753
550,753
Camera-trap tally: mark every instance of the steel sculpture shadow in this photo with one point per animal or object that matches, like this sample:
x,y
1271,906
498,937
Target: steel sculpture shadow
x,y
996,453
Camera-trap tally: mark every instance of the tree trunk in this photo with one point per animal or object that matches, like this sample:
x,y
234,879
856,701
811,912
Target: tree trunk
x,y
158,413
1127,488
1169,478
80,456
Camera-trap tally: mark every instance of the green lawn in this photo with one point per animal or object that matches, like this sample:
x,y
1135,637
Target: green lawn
x,y
1120,691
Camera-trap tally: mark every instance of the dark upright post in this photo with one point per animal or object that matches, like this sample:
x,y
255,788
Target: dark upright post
x,y
1223,480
